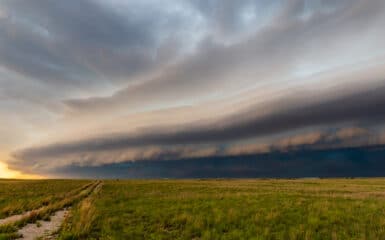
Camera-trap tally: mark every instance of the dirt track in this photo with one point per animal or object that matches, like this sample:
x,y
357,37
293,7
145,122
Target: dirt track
x,y
42,229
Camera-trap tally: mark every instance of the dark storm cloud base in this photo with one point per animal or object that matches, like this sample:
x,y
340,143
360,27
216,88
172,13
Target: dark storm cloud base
x,y
344,162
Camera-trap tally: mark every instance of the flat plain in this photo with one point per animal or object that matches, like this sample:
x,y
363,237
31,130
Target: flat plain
x,y
208,209
17,196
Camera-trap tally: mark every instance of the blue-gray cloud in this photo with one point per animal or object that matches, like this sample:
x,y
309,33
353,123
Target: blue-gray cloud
x,y
61,61
364,108
271,53
340,162
82,42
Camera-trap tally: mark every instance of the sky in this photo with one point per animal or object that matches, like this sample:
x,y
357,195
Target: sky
x,y
192,88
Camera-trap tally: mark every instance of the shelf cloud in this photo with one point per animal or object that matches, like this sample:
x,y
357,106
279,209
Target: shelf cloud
x,y
90,83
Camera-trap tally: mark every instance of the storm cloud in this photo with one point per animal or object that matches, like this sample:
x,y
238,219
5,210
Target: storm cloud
x,y
364,108
80,42
92,82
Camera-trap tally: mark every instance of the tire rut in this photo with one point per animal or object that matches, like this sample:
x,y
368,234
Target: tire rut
x,y
46,229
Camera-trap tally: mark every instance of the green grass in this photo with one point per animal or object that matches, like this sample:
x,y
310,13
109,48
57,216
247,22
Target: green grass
x,y
7,236
79,223
18,196
233,209
9,231
227,209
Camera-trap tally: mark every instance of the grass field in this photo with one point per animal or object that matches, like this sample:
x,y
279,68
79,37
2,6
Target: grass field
x,y
229,209
17,196
32,201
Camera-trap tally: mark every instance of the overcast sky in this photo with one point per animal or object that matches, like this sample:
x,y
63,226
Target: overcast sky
x,y
91,83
